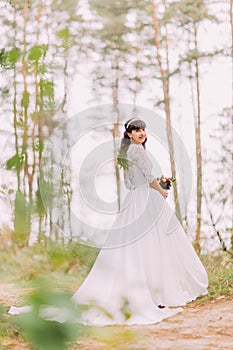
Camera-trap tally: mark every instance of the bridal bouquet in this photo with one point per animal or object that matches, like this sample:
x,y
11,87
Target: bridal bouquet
x,y
166,182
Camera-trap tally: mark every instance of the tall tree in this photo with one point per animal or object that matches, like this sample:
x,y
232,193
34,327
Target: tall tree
x,y
110,39
216,193
161,42
231,26
34,103
189,15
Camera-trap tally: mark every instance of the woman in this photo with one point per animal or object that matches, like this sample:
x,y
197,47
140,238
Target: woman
x,y
148,264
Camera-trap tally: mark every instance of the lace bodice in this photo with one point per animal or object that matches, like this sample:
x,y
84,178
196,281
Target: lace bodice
x,y
139,169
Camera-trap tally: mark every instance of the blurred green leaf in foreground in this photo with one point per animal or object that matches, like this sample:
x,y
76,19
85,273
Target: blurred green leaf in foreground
x,y
50,323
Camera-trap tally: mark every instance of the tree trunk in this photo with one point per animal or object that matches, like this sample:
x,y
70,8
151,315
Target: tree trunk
x,y
115,133
36,110
137,67
22,216
25,94
231,24
198,146
166,93
15,111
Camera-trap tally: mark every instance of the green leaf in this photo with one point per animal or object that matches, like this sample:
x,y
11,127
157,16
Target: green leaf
x,y
9,58
36,52
25,99
21,220
4,91
39,146
47,88
15,162
46,191
2,310
63,34
42,69
56,335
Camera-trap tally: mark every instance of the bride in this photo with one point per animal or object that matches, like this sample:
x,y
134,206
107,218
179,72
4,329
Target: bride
x,y
151,265
147,267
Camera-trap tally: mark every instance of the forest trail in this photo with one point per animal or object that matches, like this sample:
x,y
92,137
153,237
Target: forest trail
x,y
198,327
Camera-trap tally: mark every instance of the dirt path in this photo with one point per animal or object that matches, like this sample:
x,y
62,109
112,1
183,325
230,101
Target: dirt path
x,y
10,294
198,327
208,326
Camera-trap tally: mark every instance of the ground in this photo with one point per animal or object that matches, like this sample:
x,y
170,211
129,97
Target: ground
x,y
200,326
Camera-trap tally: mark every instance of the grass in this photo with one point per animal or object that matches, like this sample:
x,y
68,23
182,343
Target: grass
x,y
66,267
219,266
62,267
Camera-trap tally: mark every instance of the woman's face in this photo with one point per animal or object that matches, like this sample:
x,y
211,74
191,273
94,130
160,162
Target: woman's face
x,y
137,136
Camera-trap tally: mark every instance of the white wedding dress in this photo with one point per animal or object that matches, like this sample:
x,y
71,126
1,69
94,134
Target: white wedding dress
x,y
147,259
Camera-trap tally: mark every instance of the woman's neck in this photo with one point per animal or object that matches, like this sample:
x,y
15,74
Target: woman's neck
x,y
135,143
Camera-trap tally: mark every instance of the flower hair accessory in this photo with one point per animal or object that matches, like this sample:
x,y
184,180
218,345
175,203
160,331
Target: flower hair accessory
x,y
128,124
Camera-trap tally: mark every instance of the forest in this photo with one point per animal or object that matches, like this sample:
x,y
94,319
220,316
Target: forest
x,y
72,73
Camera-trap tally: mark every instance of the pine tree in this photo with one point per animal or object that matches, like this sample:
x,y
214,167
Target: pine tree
x,y
161,42
189,15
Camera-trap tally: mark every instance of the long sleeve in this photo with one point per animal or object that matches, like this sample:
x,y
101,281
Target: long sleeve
x,y
140,167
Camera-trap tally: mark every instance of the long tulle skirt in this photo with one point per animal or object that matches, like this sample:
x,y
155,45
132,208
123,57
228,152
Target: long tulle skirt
x,y
147,260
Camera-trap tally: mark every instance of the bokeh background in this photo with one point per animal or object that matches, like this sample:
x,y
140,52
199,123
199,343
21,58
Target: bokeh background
x,y
71,73
60,58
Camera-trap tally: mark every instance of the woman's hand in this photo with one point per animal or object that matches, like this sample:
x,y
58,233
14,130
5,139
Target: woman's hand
x,y
155,184
164,193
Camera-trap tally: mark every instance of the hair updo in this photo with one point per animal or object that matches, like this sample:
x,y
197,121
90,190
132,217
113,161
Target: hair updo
x,y
131,124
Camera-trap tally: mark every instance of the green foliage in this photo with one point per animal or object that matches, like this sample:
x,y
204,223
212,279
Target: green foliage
x,y
17,4
38,260
58,255
9,58
4,91
113,15
43,68
46,192
122,157
70,254
119,338
187,11
16,162
47,94
1,310
21,219
47,89
64,264
108,8
39,146
25,99
36,52
123,162
126,310
68,6
193,55
220,273
64,34
66,37
44,332
39,204
8,329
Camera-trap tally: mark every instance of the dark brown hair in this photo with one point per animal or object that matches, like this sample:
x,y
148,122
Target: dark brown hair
x,y
131,124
